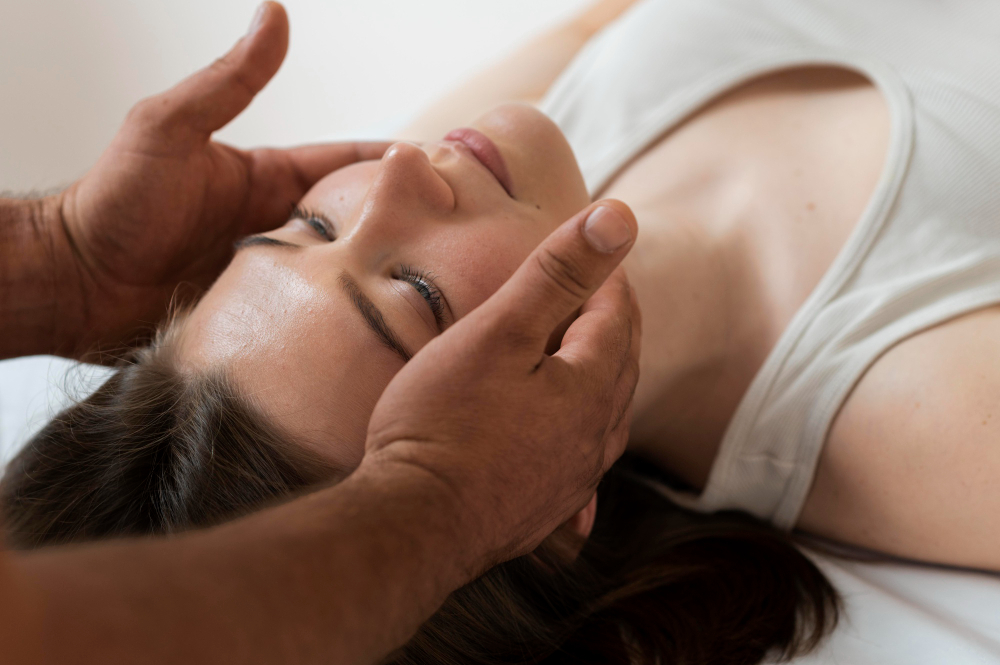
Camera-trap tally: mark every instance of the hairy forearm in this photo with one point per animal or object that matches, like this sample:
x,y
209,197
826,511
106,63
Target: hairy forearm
x,y
40,286
344,575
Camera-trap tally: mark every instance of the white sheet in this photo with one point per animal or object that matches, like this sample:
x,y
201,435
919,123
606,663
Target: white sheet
x,y
904,614
33,389
897,614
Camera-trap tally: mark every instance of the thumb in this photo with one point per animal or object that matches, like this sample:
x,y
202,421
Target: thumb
x,y
564,271
207,100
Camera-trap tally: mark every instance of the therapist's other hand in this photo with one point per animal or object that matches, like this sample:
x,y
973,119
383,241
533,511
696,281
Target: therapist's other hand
x,y
164,203
518,437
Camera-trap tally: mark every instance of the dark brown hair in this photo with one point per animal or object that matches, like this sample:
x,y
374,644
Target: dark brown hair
x,y
154,451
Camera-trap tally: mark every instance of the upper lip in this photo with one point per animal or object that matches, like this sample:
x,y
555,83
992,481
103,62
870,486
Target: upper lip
x,y
485,152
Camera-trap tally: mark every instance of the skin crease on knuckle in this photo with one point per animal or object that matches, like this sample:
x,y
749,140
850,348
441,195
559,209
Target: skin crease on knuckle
x,y
420,238
563,272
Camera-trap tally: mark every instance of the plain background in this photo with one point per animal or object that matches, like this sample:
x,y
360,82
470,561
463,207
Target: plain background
x,y
71,69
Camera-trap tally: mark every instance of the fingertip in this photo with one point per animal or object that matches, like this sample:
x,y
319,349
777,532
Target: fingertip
x,y
265,44
372,150
622,208
258,19
621,277
610,226
268,13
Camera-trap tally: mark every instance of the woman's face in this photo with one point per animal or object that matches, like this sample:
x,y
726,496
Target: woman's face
x,y
313,319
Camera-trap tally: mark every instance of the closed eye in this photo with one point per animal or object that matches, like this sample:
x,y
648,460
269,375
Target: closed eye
x,y
318,221
424,285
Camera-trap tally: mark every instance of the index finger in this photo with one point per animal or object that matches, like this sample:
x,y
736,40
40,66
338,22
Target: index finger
x,y
310,163
601,349
280,178
604,340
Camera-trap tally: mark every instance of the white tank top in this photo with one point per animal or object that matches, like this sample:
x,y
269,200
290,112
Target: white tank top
x,y
927,247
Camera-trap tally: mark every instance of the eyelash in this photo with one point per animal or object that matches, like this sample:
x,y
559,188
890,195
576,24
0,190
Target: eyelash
x,y
424,285
316,221
421,281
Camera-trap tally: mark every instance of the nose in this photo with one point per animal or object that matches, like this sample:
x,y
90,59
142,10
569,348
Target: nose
x,y
407,184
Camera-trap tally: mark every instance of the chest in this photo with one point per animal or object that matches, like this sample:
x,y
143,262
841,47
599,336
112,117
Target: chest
x,y
741,209
771,177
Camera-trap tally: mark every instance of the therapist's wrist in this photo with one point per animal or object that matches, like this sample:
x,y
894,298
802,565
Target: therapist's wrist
x,y
463,513
433,511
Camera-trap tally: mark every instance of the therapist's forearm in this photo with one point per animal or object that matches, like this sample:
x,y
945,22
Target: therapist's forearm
x,y
344,575
41,308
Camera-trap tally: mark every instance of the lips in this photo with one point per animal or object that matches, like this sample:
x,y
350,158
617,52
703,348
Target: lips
x,y
485,152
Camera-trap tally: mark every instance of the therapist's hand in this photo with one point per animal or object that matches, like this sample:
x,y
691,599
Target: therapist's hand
x,y
164,203
520,438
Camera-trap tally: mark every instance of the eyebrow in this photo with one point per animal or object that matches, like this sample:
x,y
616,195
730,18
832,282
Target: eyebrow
x,y
254,241
371,314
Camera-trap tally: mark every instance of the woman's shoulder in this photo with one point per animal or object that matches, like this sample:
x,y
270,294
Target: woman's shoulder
x,y
911,462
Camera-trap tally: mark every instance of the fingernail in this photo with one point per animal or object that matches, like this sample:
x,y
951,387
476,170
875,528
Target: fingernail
x,y
606,230
258,18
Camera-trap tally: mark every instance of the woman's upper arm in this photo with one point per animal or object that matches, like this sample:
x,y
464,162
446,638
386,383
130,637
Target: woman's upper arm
x,y
912,463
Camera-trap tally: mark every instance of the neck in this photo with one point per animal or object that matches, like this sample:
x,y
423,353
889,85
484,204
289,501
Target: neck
x,y
699,343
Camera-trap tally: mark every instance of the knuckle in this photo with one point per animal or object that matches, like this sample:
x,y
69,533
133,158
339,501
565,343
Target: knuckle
x,y
157,115
623,337
624,412
633,371
146,112
515,336
506,330
566,273
626,359
636,311
597,465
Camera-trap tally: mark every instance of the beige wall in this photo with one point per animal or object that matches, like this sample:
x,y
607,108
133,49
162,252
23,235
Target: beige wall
x,y
70,69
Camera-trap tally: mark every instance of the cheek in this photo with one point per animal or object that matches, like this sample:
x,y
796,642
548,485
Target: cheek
x,y
478,266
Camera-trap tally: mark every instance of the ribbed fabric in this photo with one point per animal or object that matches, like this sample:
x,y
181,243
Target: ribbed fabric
x,y
927,247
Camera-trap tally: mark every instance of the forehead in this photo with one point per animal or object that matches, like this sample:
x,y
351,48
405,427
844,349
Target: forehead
x,y
295,347
342,192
